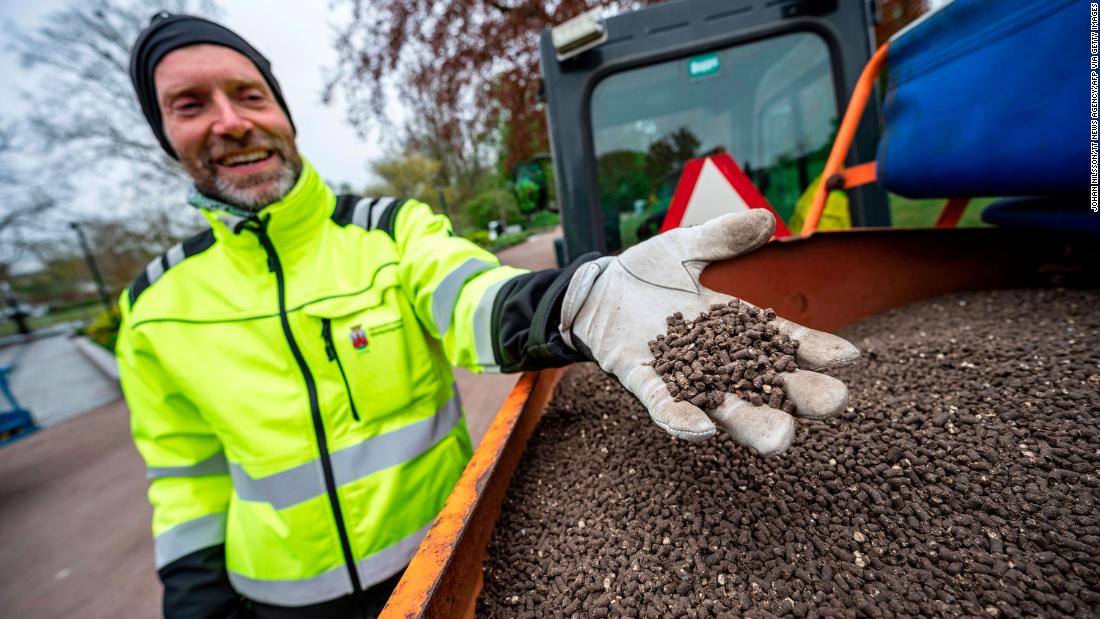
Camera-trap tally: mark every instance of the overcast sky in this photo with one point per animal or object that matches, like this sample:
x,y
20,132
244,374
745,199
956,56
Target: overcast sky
x,y
295,36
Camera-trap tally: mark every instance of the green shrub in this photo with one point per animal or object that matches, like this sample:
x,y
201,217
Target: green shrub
x,y
104,329
507,240
544,219
480,237
498,204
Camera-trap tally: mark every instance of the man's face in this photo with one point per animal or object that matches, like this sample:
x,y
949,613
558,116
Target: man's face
x,y
228,131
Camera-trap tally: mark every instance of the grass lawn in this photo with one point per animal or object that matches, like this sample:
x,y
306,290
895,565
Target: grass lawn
x,y
907,213
83,314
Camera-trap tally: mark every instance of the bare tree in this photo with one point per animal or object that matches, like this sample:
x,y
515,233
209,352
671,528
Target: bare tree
x,y
82,124
22,204
13,211
462,148
7,143
82,115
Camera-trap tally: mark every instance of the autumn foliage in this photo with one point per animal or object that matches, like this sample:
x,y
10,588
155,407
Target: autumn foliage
x,y
477,62
897,14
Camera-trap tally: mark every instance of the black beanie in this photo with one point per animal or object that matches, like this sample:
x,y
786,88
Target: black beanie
x,y
167,32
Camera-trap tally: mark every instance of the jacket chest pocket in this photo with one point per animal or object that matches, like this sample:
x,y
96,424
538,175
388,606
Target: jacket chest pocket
x,y
373,341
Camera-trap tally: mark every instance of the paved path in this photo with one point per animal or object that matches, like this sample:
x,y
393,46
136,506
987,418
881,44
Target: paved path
x,y
74,523
75,539
55,381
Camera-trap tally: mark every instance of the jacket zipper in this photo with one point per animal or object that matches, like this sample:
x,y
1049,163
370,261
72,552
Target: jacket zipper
x,y
275,266
330,350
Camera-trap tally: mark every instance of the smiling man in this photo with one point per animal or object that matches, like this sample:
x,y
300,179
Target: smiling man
x,y
288,371
249,159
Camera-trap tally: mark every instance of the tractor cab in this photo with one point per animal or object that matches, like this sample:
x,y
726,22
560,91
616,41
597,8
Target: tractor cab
x,y
633,97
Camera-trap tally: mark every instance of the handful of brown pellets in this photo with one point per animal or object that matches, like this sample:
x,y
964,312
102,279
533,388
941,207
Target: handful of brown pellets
x,y
732,348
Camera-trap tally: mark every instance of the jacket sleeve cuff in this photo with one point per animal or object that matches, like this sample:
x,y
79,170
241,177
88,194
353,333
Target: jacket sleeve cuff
x,y
526,314
196,586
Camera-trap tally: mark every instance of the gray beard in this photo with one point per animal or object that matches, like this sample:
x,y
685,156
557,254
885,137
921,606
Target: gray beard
x,y
243,197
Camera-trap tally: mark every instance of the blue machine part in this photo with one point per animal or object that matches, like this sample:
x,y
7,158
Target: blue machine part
x,y
1068,213
17,422
989,98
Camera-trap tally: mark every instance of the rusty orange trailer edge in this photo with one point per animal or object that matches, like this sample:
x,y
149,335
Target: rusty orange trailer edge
x,y
444,577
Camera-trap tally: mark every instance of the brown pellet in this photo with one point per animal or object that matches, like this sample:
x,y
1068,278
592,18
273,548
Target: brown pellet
x,y
711,342
895,507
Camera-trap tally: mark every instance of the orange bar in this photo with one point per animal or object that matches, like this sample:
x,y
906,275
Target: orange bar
x,y
845,135
855,176
952,212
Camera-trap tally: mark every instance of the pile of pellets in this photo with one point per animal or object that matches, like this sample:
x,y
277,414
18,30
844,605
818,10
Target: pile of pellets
x,y
961,480
730,348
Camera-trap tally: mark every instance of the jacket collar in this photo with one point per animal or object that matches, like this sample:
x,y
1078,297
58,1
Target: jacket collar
x,y
295,218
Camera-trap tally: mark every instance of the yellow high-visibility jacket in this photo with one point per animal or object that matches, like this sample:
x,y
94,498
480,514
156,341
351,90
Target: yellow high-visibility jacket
x,y
289,380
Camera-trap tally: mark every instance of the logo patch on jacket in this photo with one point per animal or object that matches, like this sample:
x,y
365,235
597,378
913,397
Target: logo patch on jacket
x,y
358,337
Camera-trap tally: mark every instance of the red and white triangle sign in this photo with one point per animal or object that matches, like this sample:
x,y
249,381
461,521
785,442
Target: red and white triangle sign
x,y
713,186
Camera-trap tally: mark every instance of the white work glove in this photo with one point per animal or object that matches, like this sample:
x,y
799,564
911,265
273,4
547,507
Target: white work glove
x,y
615,305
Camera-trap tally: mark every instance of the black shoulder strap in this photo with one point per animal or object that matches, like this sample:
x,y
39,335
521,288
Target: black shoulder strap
x,y
175,255
388,220
367,213
345,206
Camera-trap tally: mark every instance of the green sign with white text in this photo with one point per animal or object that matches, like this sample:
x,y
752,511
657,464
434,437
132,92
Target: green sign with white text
x,y
702,66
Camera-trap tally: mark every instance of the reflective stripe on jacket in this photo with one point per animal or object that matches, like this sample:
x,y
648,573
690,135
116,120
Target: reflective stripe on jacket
x,y
290,386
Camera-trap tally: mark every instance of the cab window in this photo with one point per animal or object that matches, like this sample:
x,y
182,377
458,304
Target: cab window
x,y
769,104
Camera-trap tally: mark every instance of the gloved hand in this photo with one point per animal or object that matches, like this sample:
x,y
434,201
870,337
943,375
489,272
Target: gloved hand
x,y
614,306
